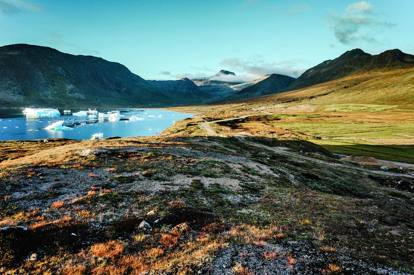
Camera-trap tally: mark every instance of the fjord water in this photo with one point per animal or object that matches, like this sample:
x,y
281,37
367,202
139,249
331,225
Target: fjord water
x,y
143,122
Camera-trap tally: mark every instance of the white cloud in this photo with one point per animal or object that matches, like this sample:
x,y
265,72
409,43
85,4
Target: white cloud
x,y
357,23
14,6
258,67
245,69
362,6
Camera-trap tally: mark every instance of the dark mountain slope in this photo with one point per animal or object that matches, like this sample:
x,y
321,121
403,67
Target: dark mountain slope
x,y
184,90
272,84
351,62
34,75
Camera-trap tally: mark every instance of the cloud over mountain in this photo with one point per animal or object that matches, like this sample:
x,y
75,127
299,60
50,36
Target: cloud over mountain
x,y
357,23
260,67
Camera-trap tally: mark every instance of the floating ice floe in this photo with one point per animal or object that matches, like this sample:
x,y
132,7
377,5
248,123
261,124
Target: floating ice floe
x,y
92,114
57,126
97,136
80,114
102,116
114,116
41,113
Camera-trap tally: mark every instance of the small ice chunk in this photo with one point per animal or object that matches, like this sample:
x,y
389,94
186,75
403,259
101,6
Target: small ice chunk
x,y
97,136
57,126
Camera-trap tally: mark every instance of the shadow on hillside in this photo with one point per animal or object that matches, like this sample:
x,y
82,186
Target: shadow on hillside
x,y
399,153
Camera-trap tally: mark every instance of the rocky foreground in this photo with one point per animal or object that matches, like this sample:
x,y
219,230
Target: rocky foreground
x,y
215,205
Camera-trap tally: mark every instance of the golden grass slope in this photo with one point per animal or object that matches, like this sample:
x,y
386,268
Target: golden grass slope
x,y
369,114
392,87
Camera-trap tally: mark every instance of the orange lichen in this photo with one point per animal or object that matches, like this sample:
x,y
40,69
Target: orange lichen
x,y
331,268
91,193
191,254
291,260
181,228
177,204
74,269
110,249
57,204
105,191
241,270
327,249
136,263
84,214
169,240
280,236
260,243
334,268
59,222
305,222
270,255
7,222
154,253
251,234
92,175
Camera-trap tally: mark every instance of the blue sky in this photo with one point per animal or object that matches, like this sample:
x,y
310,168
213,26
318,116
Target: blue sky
x,y
168,39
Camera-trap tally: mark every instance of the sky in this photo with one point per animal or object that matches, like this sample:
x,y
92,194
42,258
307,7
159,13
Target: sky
x,y
170,39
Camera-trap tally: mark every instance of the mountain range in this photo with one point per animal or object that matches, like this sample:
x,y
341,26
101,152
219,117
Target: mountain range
x,y
42,76
352,62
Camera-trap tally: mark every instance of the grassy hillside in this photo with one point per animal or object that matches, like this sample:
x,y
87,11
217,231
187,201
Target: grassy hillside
x,y
367,114
393,87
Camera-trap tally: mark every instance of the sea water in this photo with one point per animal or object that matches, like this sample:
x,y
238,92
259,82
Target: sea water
x,y
141,122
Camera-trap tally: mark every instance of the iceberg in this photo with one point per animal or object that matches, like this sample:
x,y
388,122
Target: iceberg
x,y
114,116
41,113
102,116
80,114
92,114
57,126
97,136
